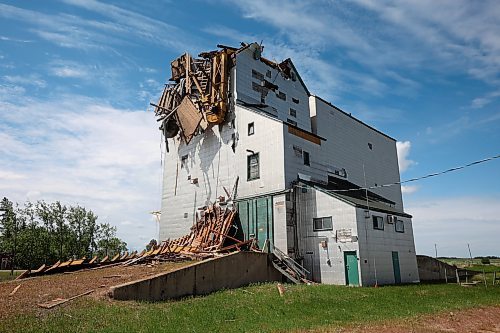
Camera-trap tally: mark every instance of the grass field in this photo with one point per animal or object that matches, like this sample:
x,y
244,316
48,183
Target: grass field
x,y
259,309
5,275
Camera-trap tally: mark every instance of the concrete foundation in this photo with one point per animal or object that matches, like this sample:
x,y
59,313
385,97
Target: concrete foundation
x,y
228,272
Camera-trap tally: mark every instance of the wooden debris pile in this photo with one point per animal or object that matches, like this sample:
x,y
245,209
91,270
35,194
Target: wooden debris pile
x,y
213,234
197,94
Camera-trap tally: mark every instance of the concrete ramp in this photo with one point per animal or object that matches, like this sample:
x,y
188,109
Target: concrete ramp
x,y
231,271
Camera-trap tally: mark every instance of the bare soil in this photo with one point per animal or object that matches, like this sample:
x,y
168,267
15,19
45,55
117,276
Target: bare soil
x,y
46,288
484,319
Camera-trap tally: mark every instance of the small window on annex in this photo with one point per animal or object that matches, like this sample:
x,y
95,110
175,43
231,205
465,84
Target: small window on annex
x,y
322,223
253,166
378,222
251,129
306,158
400,226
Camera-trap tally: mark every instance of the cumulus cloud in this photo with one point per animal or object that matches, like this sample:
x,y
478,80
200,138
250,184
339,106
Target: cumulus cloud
x,y
403,148
84,151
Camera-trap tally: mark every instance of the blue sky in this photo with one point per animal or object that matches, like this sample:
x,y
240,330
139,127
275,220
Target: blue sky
x,y
76,78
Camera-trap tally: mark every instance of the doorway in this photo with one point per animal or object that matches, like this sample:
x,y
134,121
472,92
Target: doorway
x,y
351,268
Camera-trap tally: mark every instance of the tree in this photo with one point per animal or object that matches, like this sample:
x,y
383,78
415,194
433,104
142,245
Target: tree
x,y
152,244
108,244
8,229
43,233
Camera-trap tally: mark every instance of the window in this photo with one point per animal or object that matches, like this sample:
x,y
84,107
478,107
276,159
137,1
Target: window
x,y
292,122
400,226
281,95
184,159
295,100
251,129
378,222
253,166
257,75
322,223
292,112
306,158
370,146
268,73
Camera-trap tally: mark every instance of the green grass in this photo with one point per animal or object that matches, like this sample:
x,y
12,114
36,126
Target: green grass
x,y
5,275
259,309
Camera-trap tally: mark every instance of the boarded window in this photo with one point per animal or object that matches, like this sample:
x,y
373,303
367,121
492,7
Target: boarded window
x,y
292,112
253,166
281,95
322,223
295,100
257,75
251,129
378,222
306,158
400,226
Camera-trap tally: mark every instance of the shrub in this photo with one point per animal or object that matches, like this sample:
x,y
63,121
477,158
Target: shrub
x,y
485,261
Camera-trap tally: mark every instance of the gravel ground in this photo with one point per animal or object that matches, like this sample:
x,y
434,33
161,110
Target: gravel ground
x,y
46,288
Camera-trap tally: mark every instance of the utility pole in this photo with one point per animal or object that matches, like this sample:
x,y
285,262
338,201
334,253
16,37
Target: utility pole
x,y
470,254
436,250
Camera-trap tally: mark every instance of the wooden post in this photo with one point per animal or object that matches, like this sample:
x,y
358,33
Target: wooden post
x,y
466,277
494,277
484,278
445,276
458,277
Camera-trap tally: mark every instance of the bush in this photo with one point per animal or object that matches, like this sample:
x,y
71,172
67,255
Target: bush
x,y
485,261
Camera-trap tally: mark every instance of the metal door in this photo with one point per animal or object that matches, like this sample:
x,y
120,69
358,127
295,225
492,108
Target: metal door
x,y
351,268
256,217
395,267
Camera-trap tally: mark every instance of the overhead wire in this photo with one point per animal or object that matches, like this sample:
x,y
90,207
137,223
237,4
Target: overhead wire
x,y
418,178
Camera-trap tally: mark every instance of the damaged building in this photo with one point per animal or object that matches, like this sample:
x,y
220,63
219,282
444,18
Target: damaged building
x,y
304,175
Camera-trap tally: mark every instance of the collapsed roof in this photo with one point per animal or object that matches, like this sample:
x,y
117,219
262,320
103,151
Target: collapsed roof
x,y
197,96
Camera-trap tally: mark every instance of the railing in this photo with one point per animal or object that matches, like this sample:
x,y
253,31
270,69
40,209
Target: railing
x,y
298,269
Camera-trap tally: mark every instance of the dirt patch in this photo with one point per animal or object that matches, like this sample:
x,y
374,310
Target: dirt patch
x,y
45,288
484,319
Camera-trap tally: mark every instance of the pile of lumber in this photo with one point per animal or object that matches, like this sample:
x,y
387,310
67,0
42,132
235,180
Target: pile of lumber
x,y
209,237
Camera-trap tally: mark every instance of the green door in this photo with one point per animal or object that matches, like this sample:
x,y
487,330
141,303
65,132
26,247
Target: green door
x,y
351,268
256,216
395,267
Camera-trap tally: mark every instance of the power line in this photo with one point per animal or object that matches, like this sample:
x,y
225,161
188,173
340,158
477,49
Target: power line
x,y
421,177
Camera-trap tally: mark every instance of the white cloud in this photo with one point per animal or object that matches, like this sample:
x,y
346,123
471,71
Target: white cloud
x,y
451,223
70,72
32,79
403,149
120,27
480,102
87,152
409,189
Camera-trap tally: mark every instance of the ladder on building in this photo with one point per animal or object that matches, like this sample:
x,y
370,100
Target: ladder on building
x,y
288,267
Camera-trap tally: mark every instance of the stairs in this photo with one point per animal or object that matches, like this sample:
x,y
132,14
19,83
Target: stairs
x,y
288,267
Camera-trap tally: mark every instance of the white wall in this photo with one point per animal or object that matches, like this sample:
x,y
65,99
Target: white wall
x,y
213,163
245,62
347,147
376,247
325,264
